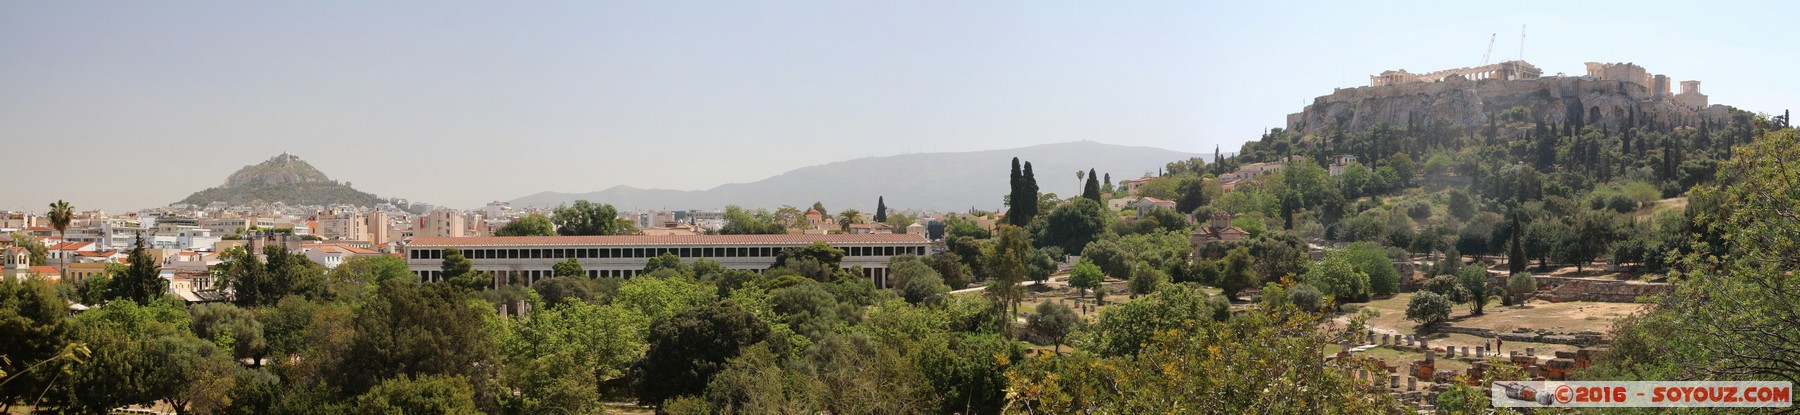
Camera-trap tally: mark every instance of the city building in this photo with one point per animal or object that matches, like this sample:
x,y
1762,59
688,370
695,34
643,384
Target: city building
x,y
530,258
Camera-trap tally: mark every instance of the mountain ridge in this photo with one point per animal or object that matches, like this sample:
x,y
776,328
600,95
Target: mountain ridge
x,y
938,180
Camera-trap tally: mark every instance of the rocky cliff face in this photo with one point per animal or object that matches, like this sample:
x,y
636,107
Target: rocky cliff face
x,y
1470,104
285,179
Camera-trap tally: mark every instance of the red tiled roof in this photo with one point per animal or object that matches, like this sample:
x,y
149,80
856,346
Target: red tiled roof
x,y
342,249
46,270
65,246
667,240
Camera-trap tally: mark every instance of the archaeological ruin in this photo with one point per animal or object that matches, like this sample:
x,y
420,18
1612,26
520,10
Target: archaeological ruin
x,y
1610,95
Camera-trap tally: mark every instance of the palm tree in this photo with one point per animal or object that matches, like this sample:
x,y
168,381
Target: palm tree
x,y
60,215
847,217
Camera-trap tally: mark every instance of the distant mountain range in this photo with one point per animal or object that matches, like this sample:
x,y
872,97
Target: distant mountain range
x,y
934,181
286,179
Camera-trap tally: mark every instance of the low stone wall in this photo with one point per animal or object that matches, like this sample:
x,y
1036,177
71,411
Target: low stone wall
x,y
1573,339
1564,289
1560,289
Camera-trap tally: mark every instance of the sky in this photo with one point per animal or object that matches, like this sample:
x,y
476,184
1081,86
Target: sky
x,y
130,105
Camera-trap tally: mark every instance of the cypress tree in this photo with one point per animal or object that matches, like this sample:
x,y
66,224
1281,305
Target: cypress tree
x,y
1515,259
1092,190
1028,207
1014,198
141,281
880,209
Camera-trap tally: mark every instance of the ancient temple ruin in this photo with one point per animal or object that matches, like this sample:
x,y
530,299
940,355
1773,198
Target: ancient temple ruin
x,y
1610,95
1505,71
1658,84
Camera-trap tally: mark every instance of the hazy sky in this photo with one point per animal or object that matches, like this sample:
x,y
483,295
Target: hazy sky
x,y
124,105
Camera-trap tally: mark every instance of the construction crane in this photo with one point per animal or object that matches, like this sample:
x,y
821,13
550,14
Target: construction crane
x,y
1490,50
1521,42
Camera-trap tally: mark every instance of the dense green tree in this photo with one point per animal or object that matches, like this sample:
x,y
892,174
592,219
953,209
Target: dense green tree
x,y
756,382
661,297
1428,308
556,358
1340,279
371,270
190,374
233,329
427,394
916,281
1474,280
32,320
416,330
743,222
1053,321
1519,288
1042,263
1306,297
1126,328
1447,286
588,218
1007,265
825,254
1461,206
1248,364
123,368
1238,273
1085,276
455,264
1145,280
559,290
1073,226
142,280
1370,259
1729,315
688,348
1160,220
572,268
667,261
951,267
530,225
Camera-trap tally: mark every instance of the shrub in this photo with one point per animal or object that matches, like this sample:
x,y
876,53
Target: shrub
x,y
1520,286
1428,308
1306,297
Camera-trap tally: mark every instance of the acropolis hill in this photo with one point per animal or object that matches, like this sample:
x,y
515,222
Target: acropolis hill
x,y
1609,96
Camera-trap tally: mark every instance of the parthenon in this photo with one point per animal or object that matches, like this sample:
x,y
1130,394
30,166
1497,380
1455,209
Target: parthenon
x,y
1506,71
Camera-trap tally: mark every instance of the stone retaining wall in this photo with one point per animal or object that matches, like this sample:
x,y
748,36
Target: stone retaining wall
x,y
1573,339
1560,289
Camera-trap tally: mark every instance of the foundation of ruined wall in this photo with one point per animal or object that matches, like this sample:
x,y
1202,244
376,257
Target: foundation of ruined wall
x,y
1561,289
1582,339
